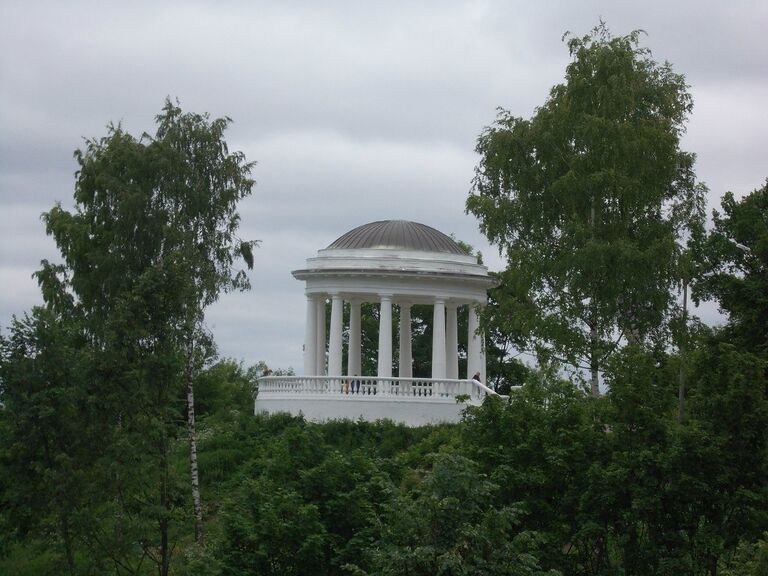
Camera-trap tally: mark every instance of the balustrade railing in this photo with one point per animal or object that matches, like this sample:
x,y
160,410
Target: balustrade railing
x,y
373,387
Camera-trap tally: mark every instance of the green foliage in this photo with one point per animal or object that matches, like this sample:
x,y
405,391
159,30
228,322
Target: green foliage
x,y
224,387
500,319
94,384
587,200
46,394
751,559
448,525
550,481
270,530
615,484
542,460
30,558
734,267
731,406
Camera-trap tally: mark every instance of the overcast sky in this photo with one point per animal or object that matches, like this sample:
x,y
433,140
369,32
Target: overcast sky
x,y
355,111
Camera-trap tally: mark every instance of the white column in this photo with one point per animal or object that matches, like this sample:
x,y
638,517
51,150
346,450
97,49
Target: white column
x,y
451,341
385,337
438,339
474,345
320,349
353,354
310,338
406,356
334,345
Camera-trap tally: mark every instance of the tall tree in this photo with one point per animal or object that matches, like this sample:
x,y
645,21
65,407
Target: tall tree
x,y
152,243
587,199
200,187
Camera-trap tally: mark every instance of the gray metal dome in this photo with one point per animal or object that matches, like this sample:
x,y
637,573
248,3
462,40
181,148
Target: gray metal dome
x,y
397,235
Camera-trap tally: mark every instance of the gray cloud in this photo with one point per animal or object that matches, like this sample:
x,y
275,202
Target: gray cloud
x,y
354,111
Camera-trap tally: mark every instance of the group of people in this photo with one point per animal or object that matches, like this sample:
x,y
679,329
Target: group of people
x,y
352,386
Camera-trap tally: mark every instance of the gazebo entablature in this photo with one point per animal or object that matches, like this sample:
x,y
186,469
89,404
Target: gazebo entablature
x,y
413,289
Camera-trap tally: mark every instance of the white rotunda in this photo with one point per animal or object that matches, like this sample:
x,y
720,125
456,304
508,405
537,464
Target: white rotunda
x,y
390,263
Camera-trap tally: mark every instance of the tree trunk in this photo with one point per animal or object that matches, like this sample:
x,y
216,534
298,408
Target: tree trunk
x,y
192,436
593,339
713,565
632,331
594,380
683,349
593,362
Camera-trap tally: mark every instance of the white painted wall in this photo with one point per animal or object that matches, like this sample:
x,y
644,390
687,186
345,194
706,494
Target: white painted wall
x,y
409,411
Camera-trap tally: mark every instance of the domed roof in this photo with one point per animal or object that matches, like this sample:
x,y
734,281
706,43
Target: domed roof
x,y
397,235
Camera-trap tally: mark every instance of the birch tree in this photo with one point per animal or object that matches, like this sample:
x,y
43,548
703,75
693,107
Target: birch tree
x,y
152,242
585,200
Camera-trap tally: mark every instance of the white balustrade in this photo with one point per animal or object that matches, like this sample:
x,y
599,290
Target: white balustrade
x,y
373,387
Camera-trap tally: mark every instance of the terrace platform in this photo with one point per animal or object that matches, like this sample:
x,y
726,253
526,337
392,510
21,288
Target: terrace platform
x,y
410,401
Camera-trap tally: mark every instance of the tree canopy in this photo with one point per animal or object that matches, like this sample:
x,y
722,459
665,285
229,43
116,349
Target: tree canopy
x,y
734,267
589,198
152,241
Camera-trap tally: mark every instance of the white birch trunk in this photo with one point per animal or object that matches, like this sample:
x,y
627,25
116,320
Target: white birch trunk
x,y
192,436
